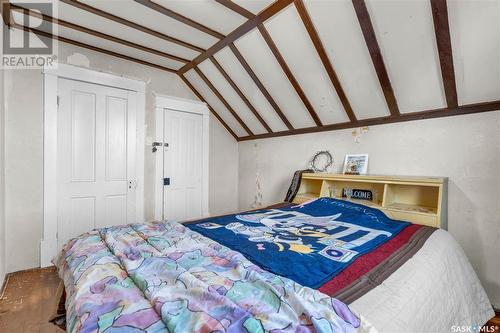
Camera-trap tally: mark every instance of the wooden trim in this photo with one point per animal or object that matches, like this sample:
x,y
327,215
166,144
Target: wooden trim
x,y
374,49
178,17
236,8
97,33
289,74
259,85
130,24
318,45
240,93
223,100
442,30
90,47
429,114
193,89
246,27
71,72
5,6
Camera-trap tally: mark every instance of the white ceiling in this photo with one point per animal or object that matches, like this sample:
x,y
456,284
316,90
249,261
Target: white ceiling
x,y
404,31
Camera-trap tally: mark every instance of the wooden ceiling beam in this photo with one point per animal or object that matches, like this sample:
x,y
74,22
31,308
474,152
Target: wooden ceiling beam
x,y
318,45
200,97
236,8
259,85
90,47
443,40
132,25
241,95
223,100
246,27
178,17
97,33
429,114
376,55
289,74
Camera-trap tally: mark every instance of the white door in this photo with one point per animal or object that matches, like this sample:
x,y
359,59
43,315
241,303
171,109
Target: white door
x,y
182,165
96,157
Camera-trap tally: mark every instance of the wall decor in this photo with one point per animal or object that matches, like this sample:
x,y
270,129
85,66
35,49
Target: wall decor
x,y
356,164
321,161
358,194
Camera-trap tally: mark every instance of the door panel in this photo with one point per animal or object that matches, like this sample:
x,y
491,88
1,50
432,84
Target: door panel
x,y
116,139
183,165
83,121
96,157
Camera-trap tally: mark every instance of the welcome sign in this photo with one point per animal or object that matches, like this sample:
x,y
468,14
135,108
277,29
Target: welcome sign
x,y
359,194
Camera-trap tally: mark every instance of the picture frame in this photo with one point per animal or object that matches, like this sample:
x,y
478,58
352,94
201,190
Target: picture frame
x,y
355,164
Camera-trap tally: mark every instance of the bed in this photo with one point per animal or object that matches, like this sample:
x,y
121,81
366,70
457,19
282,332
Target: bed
x,y
324,266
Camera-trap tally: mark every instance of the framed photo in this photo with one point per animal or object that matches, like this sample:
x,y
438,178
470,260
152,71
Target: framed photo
x,y
356,164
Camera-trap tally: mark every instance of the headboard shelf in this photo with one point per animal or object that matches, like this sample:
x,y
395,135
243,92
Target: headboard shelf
x,y
420,200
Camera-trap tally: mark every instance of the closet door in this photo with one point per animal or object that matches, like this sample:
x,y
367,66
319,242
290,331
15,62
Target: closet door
x,y
182,165
96,157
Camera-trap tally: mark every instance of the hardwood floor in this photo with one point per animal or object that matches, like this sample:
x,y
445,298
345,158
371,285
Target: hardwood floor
x,y
28,301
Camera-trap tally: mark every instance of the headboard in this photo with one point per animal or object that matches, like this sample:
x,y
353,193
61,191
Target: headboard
x,y
420,200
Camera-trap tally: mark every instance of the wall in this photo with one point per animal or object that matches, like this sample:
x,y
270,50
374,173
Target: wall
x,y
2,182
24,149
464,148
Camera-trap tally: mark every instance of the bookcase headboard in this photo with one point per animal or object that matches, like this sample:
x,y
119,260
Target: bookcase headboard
x,y
420,200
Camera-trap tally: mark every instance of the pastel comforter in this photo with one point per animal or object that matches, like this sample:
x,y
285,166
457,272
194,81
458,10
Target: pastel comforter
x,y
164,277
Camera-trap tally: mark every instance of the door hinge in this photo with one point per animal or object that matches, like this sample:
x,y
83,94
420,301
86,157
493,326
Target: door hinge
x,y
166,181
58,100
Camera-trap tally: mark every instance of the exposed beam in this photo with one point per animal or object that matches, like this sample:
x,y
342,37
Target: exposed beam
x,y
5,7
289,75
181,18
270,11
374,49
240,93
318,45
97,33
236,8
259,85
90,47
223,100
130,24
193,89
442,30
436,113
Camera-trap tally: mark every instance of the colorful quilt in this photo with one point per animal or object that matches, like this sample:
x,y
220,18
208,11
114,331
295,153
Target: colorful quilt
x,y
309,244
164,277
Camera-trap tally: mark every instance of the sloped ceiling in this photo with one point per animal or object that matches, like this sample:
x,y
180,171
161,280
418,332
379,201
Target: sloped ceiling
x,y
271,68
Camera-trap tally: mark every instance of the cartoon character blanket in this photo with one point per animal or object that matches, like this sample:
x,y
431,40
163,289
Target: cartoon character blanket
x,y
164,277
309,244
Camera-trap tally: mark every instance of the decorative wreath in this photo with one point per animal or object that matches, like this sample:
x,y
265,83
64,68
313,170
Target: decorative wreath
x,y
321,161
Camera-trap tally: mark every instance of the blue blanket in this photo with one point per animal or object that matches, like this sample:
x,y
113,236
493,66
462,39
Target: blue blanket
x,y
309,244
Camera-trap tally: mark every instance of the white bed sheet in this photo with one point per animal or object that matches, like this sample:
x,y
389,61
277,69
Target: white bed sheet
x,y
435,291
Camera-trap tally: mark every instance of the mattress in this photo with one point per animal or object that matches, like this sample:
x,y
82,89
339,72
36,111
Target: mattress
x,y
169,277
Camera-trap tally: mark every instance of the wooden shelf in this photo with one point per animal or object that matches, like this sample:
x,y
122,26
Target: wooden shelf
x,y
420,200
412,208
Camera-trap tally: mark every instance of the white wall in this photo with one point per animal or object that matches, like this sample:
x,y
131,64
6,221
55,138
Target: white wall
x,y
464,148
2,182
24,149
223,182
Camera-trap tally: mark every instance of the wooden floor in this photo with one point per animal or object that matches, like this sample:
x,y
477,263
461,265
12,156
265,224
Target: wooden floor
x,y
28,302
